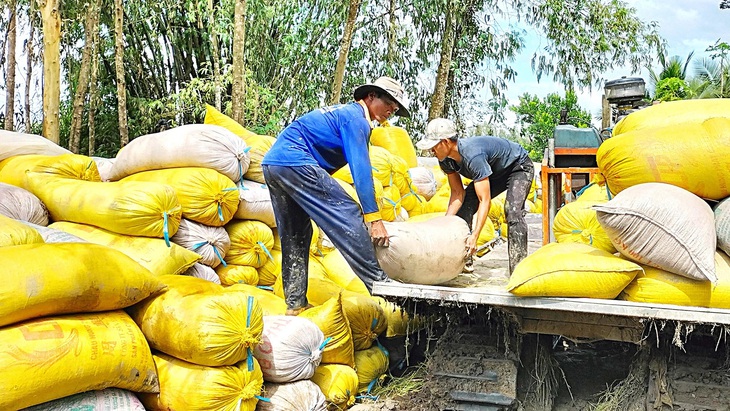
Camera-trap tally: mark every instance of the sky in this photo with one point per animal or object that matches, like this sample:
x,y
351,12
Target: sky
x,y
687,25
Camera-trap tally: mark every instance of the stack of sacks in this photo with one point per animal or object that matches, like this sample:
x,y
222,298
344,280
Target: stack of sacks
x,y
684,143
206,335
71,314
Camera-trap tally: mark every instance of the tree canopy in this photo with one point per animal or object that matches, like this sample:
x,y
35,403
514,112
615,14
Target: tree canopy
x,y
179,55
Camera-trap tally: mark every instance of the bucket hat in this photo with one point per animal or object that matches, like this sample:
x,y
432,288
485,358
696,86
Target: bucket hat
x,y
437,129
389,86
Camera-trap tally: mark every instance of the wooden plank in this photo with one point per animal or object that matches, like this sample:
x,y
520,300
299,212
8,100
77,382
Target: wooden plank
x,y
576,330
579,305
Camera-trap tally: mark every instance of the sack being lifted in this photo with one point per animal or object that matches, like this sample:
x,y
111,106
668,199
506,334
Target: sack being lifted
x,y
428,252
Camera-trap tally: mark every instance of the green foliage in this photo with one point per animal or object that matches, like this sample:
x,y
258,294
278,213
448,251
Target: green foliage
x,y
672,88
539,117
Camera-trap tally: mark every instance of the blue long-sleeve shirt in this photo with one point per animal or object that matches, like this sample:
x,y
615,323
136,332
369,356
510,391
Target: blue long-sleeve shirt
x,y
331,137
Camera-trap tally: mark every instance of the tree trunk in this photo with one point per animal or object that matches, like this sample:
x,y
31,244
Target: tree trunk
x,y
10,72
93,87
92,19
238,92
391,38
29,70
119,63
345,45
51,67
442,75
215,55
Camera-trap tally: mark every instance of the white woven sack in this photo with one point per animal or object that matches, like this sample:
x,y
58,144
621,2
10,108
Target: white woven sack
x,y
302,395
663,226
254,203
106,399
290,348
53,235
23,205
104,165
212,243
192,145
17,144
424,181
427,252
203,272
722,225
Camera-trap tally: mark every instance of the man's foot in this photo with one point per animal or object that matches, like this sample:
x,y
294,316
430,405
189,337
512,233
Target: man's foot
x,y
296,311
469,265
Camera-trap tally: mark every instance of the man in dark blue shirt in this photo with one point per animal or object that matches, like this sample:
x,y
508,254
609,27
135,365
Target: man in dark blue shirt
x,y
298,171
494,165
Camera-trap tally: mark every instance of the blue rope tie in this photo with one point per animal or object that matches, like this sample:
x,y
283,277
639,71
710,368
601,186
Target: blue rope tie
x,y
383,349
326,340
265,287
249,354
220,257
580,192
260,398
266,251
220,212
165,229
374,323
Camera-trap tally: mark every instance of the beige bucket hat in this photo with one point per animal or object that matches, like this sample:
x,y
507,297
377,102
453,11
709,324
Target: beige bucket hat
x,y
389,86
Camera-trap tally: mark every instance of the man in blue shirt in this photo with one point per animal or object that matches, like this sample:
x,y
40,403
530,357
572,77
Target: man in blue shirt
x,y
494,165
298,172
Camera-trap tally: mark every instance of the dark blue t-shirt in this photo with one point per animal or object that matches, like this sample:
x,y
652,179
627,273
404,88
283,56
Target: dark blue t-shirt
x,y
485,157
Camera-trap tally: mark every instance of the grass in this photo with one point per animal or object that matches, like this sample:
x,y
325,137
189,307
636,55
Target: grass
x,y
408,384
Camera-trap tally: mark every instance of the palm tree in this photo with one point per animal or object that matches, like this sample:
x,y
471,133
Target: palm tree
x,y
711,79
671,67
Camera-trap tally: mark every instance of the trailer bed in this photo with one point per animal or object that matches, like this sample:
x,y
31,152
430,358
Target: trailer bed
x,y
573,317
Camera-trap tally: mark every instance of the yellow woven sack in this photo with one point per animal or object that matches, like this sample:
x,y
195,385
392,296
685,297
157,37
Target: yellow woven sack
x,y
496,210
339,271
200,322
370,366
662,287
260,145
390,205
400,176
673,113
251,243
132,208
271,270
230,274
414,203
571,270
270,303
594,192
338,384
367,319
53,357
692,155
206,196
331,320
576,222
316,268
61,278
487,234
215,117
397,141
78,167
13,232
439,203
380,163
185,386
399,322
151,253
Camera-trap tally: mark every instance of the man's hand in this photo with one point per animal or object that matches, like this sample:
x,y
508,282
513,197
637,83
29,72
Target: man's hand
x,y
471,245
379,234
